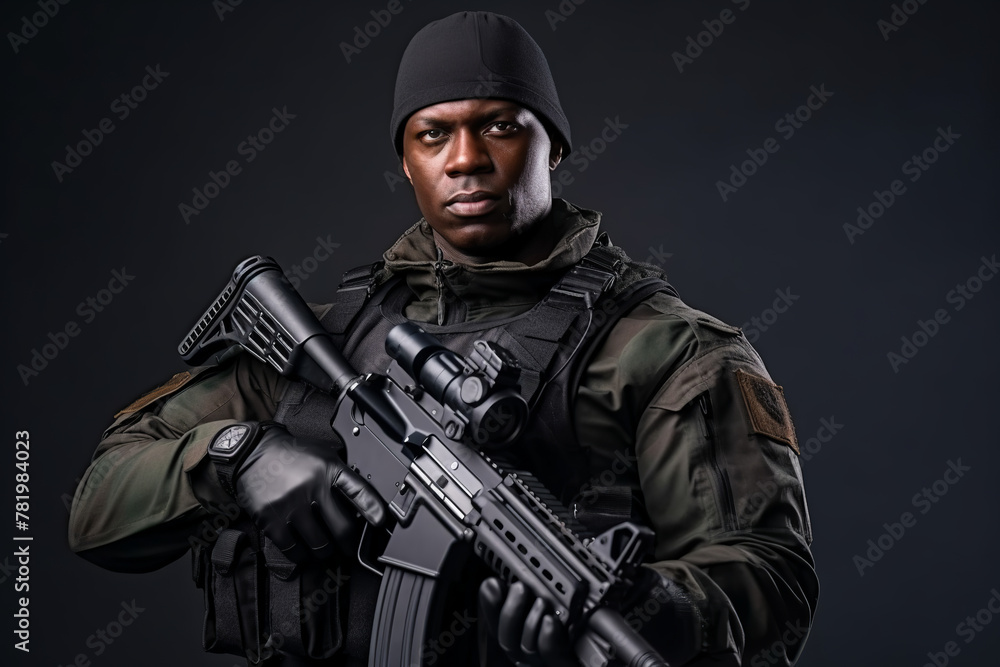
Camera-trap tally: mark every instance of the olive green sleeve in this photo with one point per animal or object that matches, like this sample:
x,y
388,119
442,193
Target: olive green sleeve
x,y
729,511
726,503
150,481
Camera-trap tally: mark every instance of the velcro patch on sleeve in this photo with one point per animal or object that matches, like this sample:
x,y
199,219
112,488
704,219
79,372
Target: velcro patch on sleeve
x,y
769,415
172,385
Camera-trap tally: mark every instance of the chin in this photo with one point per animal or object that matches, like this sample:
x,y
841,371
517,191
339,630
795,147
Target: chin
x,y
481,244
487,224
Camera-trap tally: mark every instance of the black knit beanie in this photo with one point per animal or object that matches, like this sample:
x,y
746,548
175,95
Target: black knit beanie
x,y
475,55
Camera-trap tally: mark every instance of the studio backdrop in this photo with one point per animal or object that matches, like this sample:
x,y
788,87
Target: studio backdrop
x,y
822,174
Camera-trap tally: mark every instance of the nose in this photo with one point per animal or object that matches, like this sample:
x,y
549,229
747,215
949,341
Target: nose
x,y
468,154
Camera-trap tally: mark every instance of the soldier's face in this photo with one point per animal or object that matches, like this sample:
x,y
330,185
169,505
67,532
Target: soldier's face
x,y
480,172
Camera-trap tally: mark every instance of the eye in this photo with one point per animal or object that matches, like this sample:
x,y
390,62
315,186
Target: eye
x,y
504,127
431,135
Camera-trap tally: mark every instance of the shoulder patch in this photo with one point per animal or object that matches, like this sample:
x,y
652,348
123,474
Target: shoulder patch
x,y
765,403
172,385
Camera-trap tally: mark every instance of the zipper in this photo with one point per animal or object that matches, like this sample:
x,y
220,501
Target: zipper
x,y
439,284
723,486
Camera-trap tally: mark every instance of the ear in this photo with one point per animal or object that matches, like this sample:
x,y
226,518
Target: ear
x,y
406,170
555,155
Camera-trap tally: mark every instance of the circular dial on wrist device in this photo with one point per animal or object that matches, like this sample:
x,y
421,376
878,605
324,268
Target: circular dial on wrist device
x,y
227,442
230,447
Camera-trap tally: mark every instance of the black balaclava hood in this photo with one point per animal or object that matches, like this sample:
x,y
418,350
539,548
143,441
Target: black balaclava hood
x,y
475,55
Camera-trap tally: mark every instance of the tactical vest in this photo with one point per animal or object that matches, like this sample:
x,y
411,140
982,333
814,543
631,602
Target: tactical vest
x,y
553,343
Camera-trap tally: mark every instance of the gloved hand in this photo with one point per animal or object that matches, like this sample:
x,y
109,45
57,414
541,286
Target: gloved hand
x,y
524,625
304,497
529,634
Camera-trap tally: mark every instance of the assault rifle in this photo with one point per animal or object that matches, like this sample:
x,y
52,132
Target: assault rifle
x,y
421,435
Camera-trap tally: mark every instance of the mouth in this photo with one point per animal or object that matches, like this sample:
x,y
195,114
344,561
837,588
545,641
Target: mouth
x,y
470,204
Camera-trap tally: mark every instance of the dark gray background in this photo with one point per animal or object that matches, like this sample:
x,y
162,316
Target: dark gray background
x,y
325,176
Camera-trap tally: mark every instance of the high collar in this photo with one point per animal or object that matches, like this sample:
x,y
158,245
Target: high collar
x,y
447,292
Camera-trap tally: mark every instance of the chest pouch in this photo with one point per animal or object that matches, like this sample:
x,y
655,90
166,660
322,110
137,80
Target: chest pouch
x,y
264,607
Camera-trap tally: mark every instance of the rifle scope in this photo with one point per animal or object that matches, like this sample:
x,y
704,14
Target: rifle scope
x,y
480,391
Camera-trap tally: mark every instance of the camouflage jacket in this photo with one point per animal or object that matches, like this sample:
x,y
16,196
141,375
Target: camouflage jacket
x,y
675,404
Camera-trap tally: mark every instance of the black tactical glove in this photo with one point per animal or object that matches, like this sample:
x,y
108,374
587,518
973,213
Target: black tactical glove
x,y
301,494
659,609
523,625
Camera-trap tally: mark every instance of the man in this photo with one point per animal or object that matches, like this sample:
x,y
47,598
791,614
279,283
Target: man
x,y
643,408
